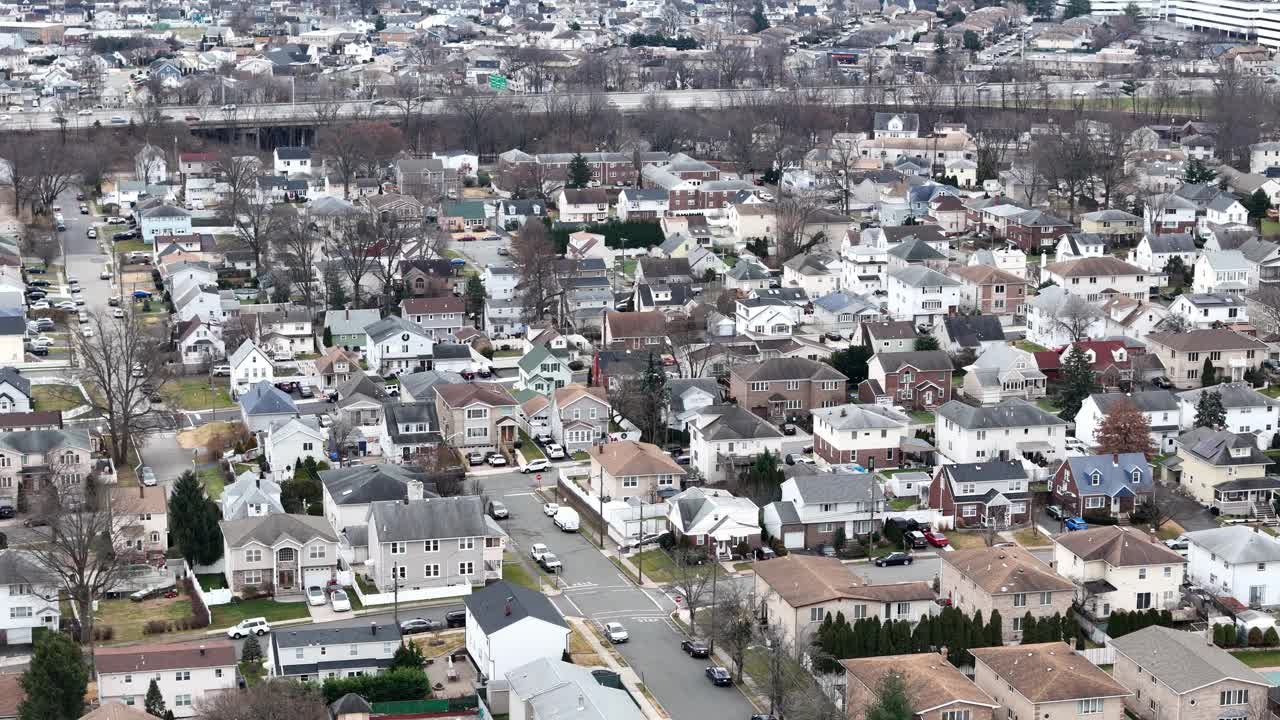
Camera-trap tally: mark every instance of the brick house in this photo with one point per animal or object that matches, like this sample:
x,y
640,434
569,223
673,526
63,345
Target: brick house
x,y
1035,229
989,290
1047,680
1009,579
935,688
982,494
786,387
423,277
870,435
920,380
1109,485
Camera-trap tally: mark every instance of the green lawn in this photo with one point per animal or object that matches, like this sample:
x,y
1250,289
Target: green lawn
x,y
213,481
656,565
252,673
57,397
514,572
1265,658
900,504
212,581
922,416
581,456
127,246
128,617
1048,406
193,393
529,448
225,616
1272,391
1030,346
508,353
1031,537
629,266
1270,227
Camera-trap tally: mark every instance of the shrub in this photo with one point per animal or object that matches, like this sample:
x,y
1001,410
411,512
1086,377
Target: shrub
x,y
401,684
1270,638
155,627
103,633
1255,637
1100,519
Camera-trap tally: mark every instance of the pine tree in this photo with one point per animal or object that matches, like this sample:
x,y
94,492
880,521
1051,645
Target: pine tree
x,y
475,295
1210,412
995,630
757,17
55,681
154,704
251,653
1076,8
891,701
1077,384
579,173
1208,373
1029,630
408,655
1196,172
327,338
925,342
193,521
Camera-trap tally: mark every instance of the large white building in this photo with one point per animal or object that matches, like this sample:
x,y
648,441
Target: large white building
x,y
184,673
1238,561
28,598
921,294
1009,430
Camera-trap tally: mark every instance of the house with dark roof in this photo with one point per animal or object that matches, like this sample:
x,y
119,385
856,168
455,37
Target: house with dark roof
x,y
714,519
285,553
873,436
991,494
1161,408
635,330
889,336
408,430
185,673
1248,412
1120,568
441,542
814,503
423,276
1226,471
15,391
969,332
263,405
347,492
917,379
1007,578
1109,486
509,626
315,653
725,439
785,388
31,600
1184,354
989,290
1008,430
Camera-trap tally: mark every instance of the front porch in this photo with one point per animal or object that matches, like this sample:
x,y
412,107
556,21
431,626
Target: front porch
x,y
1246,497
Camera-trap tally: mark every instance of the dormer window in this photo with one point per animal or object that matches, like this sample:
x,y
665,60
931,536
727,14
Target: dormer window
x,y
1136,476
1095,478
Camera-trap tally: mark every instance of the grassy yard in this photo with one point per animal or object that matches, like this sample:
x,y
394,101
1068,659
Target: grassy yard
x,y
57,397
193,393
1170,530
1031,537
227,615
1270,227
900,504
744,566
508,353
966,540
1266,658
529,448
127,246
655,564
581,456
1048,406
1030,346
212,581
128,617
514,572
629,266
212,479
923,416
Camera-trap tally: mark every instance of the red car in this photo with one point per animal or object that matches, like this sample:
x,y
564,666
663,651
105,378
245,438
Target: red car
x,y
467,238
936,539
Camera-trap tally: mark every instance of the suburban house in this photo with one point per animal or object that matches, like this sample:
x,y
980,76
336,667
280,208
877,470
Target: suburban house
x,y
635,331
1154,252
1010,429
441,317
283,553
627,469
509,626
1108,486
799,591
1046,311
548,689
542,370
284,332
1119,568
15,392
1184,354
198,343
873,436
579,416
481,416
688,397
1161,407
989,290
814,504
1226,471
146,520
1248,412
346,327
784,388
315,653
336,366
726,439
185,673
1209,310
921,294
349,492
969,332
1006,578
433,543
1176,675
263,405
934,687
889,336
395,344
712,518
408,430
1241,562
290,442
1088,277
1227,272
766,317
992,494
916,379
588,205
29,599
1003,372
251,495
1047,680
249,365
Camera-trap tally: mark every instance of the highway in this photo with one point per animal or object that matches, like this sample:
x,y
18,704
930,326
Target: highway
x,y
994,95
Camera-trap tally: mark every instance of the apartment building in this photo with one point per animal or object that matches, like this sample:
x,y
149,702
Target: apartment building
x,y
1184,354
433,542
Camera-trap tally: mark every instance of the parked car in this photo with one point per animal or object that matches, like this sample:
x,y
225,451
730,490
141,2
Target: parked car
x,y
496,460
894,558
419,625
341,603
249,626
936,539
537,550
147,476
550,563
497,510
550,509
788,429
91,233
315,595
40,305
915,539
616,633
1076,523
306,391
696,648
554,451
287,386
536,466
125,235
475,458
38,282
222,371
6,512
1056,512
43,324
719,676
455,618
1179,543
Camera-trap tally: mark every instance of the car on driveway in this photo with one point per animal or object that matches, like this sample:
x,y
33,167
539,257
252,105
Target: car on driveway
x,y
536,466
1056,512
475,458
1179,544
550,562
315,595
497,460
141,295
550,509
696,648
419,625
1075,523
498,510
249,626
894,558
616,632
456,618
341,603
554,451
719,676
147,476
936,539
537,550
222,371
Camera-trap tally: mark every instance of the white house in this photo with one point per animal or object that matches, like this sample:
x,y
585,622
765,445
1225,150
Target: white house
x,y
766,317
818,274
509,626
1044,313
1204,311
642,203
1238,561
395,344
1224,209
725,438
286,443
292,161
28,598
15,392
1247,410
814,505
1155,251
583,206
184,672
921,294
1009,430
1073,246
161,220
500,282
1225,272
1119,568
869,435
249,364
1160,407
1089,276
688,396
714,519
316,653
549,689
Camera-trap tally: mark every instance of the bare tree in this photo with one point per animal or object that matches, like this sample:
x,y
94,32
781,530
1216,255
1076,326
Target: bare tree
x,y
535,260
240,174
792,226
1075,316
40,243
734,629
299,251
476,110
258,225
1266,300
355,242
783,673
359,148
277,699
394,238
692,580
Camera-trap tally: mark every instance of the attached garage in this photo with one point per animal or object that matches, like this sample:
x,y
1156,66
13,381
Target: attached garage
x,y
793,539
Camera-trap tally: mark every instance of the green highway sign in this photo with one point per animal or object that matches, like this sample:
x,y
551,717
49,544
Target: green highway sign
x,y
497,82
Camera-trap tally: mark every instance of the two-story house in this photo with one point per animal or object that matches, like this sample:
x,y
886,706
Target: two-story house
x,y
934,687
1225,272
1115,226
921,294
160,219
1160,407
249,365
433,543
1183,354
15,392
1154,252
991,494
1248,412
1237,561
1202,311
1089,277
1226,471
1119,568
1007,430
869,435
1177,675
714,519
292,161
315,653
1050,313
509,626
348,492
145,520
798,592
579,416
290,442
441,316
186,673
813,504
395,344
251,495
476,416
408,430
543,370
1047,680
287,331
34,461
1004,371
786,387
1168,213
28,598
989,290
917,379
627,469
724,439
766,317
198,343
635,330
1007,578
817,273
588,205
286,553
889,336
346,327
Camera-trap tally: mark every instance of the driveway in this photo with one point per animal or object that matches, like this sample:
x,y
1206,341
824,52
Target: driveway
x,y
1188,513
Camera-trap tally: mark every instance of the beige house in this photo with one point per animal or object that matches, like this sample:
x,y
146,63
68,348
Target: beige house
x,y
1225,470
627,469
282,554
936,689
1183,354
1176,675
476,416
1119,568
1008,579
799,591
146,531
1047,681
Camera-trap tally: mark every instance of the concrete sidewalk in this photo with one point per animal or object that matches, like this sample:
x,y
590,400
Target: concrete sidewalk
x,y
648,704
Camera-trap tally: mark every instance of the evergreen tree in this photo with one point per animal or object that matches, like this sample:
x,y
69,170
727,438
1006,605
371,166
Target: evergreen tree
x,y
1078,382
408,655
1076,8
925,342
757,17
1208,373
379,23
55,681
579,173
1257,204
327,338
1132,12
852,363
193,521
1029,630
251,652
995,630
1197,172
972,41
154,704
654,398
940,43
1210,412
891,701
475,295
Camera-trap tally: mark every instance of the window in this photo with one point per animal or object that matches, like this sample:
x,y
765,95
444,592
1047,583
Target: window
x,y
826,527
431,570
904,609
298,653
794,405
20,589
955,715
1094,501
759,386
1046,598
182,675
1142,573
477,413
969,511
1137,476
182,700
1020,600
430,546
252,577
630,482
478,432
398,548
1143,601
827,507
467,543
128,678
466,568
1017,624
316,552
1233,697
1092,706
1168,572
816,614
253,555
353,649
19,612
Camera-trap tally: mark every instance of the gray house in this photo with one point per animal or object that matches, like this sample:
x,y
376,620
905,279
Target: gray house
x,y
347,492
434,542
263,404
346,327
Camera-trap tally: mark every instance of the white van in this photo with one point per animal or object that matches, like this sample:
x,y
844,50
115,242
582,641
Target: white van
x,y
567,519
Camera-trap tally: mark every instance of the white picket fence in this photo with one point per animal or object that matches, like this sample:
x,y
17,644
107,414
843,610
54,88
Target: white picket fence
x,y
386,598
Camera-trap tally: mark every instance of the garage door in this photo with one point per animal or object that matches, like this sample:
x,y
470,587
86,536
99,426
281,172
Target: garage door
x,y
793,539
316,577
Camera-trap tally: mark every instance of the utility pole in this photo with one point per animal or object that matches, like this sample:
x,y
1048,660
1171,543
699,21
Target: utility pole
x,y
712,623
639,561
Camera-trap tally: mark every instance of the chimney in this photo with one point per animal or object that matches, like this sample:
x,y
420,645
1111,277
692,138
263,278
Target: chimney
x,y
582,702
373,628
201,651
1115,459
415,489
507,609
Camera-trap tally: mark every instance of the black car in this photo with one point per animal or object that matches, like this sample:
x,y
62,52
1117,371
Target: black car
x,y
36,294
418,625
39,351
1056,512
895,558
38,283
455,618
126,235
719,676
6,512
696,648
